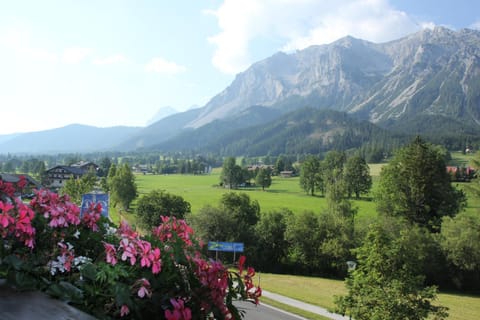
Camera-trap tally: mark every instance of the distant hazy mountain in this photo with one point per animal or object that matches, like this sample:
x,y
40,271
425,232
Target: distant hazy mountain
x,y
430,73
72,138
161,114
6,137
158,132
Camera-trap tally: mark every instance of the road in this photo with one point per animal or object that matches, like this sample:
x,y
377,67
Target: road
x,y
264,312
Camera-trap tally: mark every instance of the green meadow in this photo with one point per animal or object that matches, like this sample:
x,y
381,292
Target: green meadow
x,y
321,292
202,190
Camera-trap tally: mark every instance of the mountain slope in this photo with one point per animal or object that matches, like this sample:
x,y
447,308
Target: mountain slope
x,y
331,74
72,138
161,114
436,72
429,73
308,130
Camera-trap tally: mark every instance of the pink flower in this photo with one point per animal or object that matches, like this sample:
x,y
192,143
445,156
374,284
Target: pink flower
x,y
129,251
91,217
145,248
5,218
124,310
111,253
156,261
144,289
126,232
180,312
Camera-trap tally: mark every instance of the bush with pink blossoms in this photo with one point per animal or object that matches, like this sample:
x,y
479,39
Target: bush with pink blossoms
x,y
114,272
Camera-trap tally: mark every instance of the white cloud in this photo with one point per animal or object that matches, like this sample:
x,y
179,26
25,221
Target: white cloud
x,y
75,55
114,59
475,25
297,24
161,65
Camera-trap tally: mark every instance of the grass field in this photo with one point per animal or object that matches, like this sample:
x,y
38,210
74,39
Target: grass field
x,y
320,292
201,190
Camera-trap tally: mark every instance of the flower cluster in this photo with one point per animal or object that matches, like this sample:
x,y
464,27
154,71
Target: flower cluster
x,y
132,248
15,217
114,272
213,276
171,226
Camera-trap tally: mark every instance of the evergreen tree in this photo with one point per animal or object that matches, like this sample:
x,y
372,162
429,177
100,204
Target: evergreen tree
x,y
357,176
415,185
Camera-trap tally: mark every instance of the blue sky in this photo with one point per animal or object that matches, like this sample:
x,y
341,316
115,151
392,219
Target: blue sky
x,y
117,62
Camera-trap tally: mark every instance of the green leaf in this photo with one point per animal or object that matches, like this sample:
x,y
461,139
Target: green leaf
x,y
66,292
25,281
13,261
89,271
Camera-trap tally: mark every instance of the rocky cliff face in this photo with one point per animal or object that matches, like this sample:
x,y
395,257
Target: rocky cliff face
x,y
430,72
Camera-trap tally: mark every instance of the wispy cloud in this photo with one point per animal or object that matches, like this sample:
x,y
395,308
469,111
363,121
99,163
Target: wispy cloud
x,y
75,55
161,65
297,24
113,59
475,25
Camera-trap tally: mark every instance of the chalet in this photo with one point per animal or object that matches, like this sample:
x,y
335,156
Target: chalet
x,y
14,178
58,175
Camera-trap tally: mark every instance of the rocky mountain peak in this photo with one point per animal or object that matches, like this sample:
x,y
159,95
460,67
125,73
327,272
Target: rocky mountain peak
x,y
433,71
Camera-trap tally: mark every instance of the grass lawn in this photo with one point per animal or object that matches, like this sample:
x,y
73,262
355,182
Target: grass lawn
x,y
460,159
320,292
202,190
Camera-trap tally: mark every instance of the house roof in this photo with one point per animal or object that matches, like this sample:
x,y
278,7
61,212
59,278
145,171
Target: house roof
x,y
14,178
73,170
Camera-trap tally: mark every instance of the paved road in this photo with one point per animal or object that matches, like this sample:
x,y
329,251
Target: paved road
x,y
265,312
304,306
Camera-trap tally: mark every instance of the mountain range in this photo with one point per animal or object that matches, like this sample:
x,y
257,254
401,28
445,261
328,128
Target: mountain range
x,y
426,83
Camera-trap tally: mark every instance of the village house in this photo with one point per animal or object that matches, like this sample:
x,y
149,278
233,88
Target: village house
x,y
57,176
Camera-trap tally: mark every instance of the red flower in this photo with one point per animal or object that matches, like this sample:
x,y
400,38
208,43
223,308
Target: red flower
x,y
241,262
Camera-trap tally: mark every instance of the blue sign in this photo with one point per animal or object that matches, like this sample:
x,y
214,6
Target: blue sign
x,y
89,198
225,246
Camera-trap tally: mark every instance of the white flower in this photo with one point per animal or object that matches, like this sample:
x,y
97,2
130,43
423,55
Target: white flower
x,y
77,234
